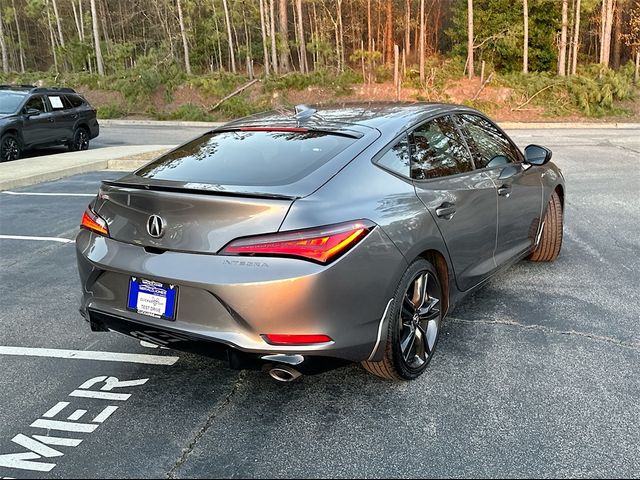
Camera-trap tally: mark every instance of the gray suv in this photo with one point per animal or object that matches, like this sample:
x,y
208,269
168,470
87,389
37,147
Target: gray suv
x,y
39,117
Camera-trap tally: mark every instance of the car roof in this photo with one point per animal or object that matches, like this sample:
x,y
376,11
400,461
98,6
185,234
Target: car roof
x,y
383,116
34,89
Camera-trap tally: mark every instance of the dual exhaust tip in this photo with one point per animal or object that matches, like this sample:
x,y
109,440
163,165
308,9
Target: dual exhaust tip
x,y
284,373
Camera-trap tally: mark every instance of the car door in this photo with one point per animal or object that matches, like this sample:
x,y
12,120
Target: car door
x,y
63,116
518,185
38,122
462,201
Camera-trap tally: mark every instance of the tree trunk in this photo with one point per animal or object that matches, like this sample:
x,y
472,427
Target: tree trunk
x,y
617,35
20,48
217,27
525,53
263,29
272,29
302,46
407,30
185,44
369,33
232,56
470,38
96,38
51,38
81,14
341,34
576,39
283,28
562,57
421,42
3,48
637,75
389,32
605,49
55,12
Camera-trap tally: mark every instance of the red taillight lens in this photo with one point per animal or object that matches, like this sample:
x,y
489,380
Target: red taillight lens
x,y
92,221
276,339
318,244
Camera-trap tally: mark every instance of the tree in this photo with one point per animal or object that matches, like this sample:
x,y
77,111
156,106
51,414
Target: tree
x,y
185,44
21,50
263,28
632,38
283,28
607,23
470,38
96,38
55,13
302,49
525,53
576,39
388,32
272,30
3,47
562,57
232,56
421,42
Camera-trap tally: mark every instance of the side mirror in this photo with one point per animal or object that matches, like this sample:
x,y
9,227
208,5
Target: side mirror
x,y
32,112
537,155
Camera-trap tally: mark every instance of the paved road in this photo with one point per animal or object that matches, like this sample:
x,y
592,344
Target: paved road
x,y
536,374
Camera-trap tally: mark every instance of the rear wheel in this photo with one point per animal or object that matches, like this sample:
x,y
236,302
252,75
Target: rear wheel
x,y
9,148
80,140
550,241
414,325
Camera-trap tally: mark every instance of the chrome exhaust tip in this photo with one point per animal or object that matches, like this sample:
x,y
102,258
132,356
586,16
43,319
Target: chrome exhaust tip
x,y
284,373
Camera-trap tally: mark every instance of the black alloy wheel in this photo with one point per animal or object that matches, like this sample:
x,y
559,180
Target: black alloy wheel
x,y
80,140
9,148
414,321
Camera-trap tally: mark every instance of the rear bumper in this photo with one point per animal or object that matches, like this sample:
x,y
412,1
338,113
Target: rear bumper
x,y
229,303
94,128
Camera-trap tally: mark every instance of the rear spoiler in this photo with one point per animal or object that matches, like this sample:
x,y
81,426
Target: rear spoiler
x,y
196,188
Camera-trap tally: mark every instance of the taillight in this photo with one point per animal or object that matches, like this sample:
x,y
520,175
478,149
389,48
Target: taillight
x,y
321,244
94,222
277,339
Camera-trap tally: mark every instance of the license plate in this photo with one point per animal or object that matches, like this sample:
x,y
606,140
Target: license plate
x,y
151,298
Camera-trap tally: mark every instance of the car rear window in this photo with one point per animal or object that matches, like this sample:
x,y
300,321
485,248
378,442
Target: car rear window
x,y
274,157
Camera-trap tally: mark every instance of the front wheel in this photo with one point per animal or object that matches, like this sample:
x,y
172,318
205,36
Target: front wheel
x,y
414,325
9,148
80,140
550,241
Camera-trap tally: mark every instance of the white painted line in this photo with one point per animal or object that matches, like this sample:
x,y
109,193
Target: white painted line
x,y
39,194
77,415
89,355
35,446
64,426
58,441
23,237
100,395
56,409
104,414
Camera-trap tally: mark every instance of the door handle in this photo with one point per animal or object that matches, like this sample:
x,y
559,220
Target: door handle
x,y
504,190
446,210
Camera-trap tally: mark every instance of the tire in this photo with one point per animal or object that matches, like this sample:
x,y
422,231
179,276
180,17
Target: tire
x,y
411,361
9,148
80,140
550,241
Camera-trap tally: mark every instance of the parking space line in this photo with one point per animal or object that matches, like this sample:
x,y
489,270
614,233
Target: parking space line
x,y
40,239
89,355
53,194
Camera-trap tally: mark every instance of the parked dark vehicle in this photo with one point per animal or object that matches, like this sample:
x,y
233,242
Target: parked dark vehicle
x,y
41,117
298,243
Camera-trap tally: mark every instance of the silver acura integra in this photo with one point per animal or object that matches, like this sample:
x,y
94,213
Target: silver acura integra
x,y
300,242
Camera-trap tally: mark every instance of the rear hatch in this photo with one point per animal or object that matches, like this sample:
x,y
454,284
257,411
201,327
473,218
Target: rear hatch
x,y
224,185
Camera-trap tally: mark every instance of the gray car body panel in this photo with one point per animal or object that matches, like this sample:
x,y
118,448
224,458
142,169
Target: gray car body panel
x,y
235,300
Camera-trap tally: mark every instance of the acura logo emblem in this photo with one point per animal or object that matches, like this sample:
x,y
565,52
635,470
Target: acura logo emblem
x,y
155,226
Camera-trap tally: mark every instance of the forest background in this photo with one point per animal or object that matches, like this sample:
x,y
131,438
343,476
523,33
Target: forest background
x,y
532,60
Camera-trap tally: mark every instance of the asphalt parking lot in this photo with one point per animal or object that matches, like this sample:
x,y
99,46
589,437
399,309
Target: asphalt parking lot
x,y
536,374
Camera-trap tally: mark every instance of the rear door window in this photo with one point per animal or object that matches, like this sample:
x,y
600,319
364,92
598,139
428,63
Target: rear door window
x,y
56,102
274,157
438,150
